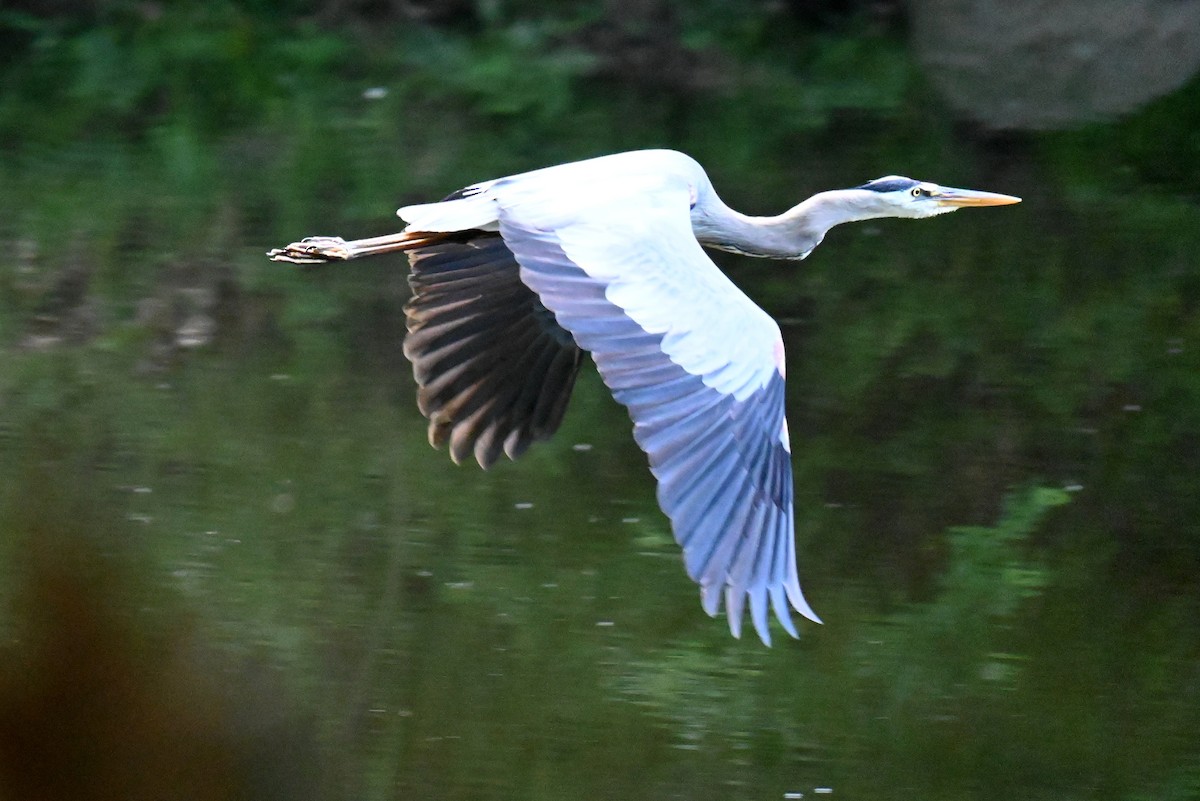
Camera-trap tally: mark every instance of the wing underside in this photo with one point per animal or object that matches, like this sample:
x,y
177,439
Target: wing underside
x,y
721,458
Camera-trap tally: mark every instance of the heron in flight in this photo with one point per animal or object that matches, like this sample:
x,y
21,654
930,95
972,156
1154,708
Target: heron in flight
x,y
515,278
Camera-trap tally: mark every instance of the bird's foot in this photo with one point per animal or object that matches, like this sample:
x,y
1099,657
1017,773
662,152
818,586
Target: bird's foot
x,y
313,250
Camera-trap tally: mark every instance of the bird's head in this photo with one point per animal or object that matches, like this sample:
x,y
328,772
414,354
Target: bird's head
x,y
897,196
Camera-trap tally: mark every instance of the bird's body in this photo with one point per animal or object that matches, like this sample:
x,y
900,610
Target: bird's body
x,y
514,278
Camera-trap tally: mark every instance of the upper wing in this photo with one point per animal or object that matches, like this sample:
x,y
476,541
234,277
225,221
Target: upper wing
x,y
698,365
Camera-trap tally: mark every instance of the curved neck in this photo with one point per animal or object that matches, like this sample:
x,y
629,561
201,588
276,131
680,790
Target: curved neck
x,y
791,235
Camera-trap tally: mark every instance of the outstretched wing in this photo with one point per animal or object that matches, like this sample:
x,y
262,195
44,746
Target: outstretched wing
x,y
698,365
494,370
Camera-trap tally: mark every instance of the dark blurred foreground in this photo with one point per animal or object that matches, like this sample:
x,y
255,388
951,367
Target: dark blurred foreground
x,y
109,687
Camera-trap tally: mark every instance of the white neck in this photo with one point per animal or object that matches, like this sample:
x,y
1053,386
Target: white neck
x,y
791,235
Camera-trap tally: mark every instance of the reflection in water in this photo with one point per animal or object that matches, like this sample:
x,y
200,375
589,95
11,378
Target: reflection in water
x,y
528,630
433,631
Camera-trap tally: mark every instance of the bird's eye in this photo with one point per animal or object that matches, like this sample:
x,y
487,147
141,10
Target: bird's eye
x,y
918,192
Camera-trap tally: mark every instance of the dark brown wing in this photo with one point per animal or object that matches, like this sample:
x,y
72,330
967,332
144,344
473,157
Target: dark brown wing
x,y
495,369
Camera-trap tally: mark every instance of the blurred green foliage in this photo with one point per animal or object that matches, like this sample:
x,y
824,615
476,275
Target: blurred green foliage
x,y
124,67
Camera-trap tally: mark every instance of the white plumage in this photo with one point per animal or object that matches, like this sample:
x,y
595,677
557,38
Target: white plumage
x,y
513,277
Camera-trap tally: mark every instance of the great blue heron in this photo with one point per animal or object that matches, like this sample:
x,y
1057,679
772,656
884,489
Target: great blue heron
x,y
514,278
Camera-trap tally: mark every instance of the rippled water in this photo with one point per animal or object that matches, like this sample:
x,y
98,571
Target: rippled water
x,y
994,421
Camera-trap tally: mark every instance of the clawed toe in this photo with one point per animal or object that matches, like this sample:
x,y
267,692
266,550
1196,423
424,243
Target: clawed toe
x,y
312,250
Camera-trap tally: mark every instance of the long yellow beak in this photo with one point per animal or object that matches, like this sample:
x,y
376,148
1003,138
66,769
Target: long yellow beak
x,y
971,197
